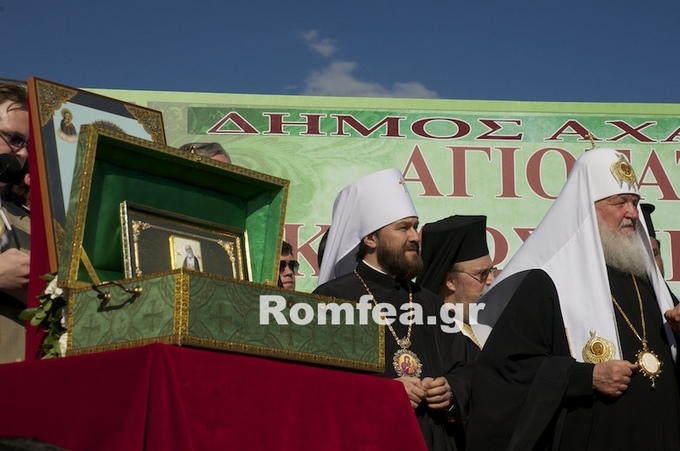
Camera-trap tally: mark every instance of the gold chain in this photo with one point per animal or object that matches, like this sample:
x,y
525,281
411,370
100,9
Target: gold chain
x,y
471,334
642,339
402,342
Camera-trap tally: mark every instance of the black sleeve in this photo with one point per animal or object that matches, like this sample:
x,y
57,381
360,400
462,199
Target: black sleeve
x,y
525,370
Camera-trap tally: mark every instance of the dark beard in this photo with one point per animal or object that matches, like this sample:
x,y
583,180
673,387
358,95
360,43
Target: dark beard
x,y
395,263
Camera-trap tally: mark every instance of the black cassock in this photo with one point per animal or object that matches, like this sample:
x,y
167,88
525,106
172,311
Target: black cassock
x,y
529,393
441,353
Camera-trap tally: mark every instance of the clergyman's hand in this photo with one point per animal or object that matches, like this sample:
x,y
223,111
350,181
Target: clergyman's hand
x,y
611,378
414,389
437,392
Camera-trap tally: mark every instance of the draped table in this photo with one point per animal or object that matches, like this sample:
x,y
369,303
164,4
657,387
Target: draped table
x,y
162,397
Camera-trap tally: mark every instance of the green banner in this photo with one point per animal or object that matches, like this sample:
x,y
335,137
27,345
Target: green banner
x,y
507,160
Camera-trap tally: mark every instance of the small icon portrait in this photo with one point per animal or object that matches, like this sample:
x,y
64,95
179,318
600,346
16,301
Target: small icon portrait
x,y
67,130
187,254
407,366
190,259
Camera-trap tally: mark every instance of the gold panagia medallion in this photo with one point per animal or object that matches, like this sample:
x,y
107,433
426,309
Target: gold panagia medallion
x,y
649,364
597,349
623,172
407,363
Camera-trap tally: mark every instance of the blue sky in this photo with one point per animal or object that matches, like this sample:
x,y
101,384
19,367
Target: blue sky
x,y
533,50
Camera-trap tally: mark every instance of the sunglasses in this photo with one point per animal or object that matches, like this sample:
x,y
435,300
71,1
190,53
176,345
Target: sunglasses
x,y
293,265
15,142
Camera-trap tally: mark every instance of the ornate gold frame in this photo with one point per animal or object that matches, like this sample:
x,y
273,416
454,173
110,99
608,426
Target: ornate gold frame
x,y
54,152
153,242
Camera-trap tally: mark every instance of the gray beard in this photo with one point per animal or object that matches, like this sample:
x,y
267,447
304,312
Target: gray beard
x,y
625,253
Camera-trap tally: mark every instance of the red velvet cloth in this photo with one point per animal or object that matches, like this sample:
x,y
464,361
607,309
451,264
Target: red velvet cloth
x,y
161,397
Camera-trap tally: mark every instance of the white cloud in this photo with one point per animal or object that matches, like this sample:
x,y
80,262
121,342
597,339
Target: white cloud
x,y
338,80
325,47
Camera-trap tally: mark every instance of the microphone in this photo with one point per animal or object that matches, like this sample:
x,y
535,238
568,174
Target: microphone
x,y
10,168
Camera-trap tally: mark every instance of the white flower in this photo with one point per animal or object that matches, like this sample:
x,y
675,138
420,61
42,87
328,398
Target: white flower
x,y
53,290
63,340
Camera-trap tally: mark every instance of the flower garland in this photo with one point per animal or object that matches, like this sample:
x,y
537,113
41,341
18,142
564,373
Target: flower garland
x,y
50,315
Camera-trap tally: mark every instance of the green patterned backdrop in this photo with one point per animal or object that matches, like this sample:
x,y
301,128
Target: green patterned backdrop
x,y
506,160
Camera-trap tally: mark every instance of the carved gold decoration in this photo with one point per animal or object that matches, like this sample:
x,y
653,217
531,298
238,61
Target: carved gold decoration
x,y
50,99
598,349
623,172
137,227
181,305
229,249
649,364
151,122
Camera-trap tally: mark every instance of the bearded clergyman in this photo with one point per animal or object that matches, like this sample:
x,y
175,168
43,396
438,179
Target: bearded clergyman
x,y
191,260
582,350
373,249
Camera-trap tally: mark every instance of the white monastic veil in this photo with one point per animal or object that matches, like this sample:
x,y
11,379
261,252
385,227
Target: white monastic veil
x,y
566,245
361,208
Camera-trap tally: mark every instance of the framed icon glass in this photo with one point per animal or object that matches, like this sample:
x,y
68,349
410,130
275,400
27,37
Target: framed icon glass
x,y
156,241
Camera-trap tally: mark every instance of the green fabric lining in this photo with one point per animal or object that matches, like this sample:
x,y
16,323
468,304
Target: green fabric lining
x,y
127,172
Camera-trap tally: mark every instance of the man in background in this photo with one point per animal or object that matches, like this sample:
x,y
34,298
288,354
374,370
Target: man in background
x,y
14,245
647,210
288,267
456,264
213,150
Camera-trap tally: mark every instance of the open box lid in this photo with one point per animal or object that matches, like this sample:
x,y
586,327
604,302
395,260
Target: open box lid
x,y
112,168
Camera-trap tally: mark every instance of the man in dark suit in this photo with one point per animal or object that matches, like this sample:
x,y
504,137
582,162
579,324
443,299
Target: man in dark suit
x,y
14,227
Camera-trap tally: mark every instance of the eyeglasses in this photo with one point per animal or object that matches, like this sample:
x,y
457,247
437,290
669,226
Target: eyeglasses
x,y
482,275
292,264
15,142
